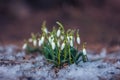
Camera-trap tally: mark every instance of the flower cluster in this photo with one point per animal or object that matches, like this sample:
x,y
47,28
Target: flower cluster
x,y
58,46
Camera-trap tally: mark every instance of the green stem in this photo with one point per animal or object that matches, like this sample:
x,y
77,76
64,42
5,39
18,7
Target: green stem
x,y
70,55
65,52
53,54
59,57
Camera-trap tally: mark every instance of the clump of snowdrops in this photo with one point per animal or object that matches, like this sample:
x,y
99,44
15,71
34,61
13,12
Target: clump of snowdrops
x,y
58,46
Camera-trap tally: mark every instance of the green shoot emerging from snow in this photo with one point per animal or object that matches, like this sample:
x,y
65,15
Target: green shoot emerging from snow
x,y
58,46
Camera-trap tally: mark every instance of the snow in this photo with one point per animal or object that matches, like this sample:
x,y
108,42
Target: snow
x,y
37,68
90,70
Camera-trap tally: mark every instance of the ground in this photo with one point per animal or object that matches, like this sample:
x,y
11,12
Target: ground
x,y
15,64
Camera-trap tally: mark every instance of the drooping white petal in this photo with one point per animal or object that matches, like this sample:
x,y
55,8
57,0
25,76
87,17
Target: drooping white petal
x,y
61,37
58,33
42,39
62,46
71,37
84,51
68,38
52,39
71,43
49,39
53,45
58,43
52,36
39,42
24,46
78,40
35,42
45,30
30,39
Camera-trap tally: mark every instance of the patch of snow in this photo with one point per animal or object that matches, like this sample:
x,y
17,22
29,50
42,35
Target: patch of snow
x,y
101,55
2,49
38,69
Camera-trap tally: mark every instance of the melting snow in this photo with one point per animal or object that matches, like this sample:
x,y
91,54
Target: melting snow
x,y
38,69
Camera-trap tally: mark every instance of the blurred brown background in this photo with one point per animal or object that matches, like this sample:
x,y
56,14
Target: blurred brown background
x,y
98,20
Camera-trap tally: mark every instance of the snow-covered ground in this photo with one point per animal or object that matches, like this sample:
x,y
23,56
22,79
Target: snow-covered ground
x,y
15,64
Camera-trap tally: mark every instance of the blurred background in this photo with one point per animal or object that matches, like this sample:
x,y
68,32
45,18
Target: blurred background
x,y
98,20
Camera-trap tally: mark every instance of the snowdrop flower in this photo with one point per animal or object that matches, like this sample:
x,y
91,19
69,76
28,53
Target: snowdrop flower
x,y
62,46
35,42
71,37
45,30
71,43
53,45
42,39
61,37
52,39
30,39
84,51
49,39
24,46
39,43
51,36
78,39
58,43
68,38
58,33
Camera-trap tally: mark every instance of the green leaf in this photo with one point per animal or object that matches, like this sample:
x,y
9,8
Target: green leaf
x,y
78,56
32,50
53,61
46,51
73,51
63,61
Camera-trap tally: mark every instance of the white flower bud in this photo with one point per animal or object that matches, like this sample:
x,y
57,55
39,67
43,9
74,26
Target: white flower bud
x,y
84,51
68,38
61,37
58,33
39,43
49,39
51,36
24,46
71,43
30,39
53,45
42,39
78,40
35,42
45,30
58,43
52,39
71,37
62,46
